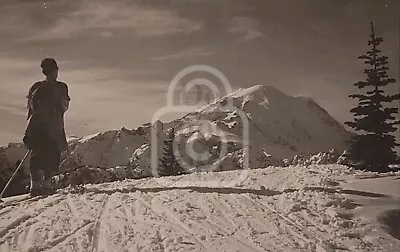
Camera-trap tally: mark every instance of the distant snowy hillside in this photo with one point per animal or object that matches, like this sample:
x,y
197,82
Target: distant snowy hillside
x,y
280,125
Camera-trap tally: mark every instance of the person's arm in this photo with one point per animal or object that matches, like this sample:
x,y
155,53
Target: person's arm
x,y
64,97
64,105
29,103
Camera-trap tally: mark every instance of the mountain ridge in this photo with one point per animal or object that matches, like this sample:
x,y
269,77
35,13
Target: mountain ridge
x,y
280,127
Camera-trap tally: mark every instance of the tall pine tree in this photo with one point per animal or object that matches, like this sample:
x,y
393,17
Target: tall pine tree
x,y
372,147
168,165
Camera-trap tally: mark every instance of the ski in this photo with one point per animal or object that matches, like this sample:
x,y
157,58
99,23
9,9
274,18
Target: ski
x,y
24,198
16,200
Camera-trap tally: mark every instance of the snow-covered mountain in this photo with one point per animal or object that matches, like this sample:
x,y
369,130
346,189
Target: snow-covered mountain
x,y
282,125
279,127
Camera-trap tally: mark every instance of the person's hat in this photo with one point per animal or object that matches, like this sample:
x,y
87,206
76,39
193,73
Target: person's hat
x,y
49,64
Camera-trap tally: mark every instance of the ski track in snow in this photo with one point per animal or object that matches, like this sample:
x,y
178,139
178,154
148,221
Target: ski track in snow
x,y
296,213
96,226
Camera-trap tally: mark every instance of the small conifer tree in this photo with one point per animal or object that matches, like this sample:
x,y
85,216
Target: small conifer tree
x,y
169,166
372,147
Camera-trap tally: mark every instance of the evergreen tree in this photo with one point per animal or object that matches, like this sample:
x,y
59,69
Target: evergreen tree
x,y
372,147
169,166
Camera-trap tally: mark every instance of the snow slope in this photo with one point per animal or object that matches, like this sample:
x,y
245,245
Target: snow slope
x,y
274,209
281,124
383,211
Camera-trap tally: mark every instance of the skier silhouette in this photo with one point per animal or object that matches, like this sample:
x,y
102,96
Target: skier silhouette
x,y
48,100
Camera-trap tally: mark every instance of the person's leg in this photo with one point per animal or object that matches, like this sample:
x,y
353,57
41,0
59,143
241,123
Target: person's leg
x,y
36,166
52,164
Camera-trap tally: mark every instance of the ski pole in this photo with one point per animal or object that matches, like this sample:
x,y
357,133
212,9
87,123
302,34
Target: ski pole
x,y
15,173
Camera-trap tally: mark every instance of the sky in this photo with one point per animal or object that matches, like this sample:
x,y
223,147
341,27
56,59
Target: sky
x,y
119,57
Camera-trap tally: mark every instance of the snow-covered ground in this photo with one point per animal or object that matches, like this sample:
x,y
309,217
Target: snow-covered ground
x,y
315,208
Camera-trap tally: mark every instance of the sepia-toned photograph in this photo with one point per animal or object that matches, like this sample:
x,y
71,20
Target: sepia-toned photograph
x,y
199,125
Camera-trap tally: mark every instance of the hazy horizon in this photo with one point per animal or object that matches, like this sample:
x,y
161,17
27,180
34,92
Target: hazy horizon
x,y
118,57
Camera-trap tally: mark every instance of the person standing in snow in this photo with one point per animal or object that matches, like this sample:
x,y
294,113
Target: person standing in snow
x,y
48,100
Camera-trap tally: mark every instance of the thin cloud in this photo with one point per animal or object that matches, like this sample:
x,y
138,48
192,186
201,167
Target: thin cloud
x,y
108,17
8,64
187,53
246,27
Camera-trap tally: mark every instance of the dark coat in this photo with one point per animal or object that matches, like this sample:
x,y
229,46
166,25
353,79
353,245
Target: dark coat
x,y
46,115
